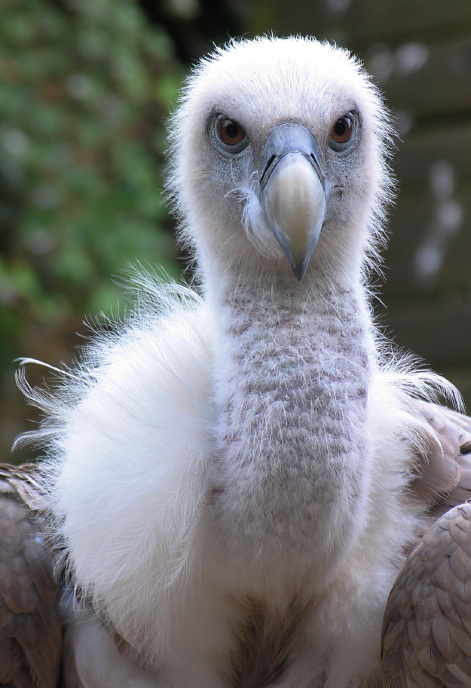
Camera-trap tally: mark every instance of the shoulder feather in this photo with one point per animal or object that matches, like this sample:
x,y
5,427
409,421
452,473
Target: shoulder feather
x,y
30,624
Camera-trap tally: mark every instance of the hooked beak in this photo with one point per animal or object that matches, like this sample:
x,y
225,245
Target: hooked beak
x,y
293,192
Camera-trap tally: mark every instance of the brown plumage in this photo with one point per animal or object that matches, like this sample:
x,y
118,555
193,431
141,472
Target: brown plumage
x,y
445,470
427,623
426,638
264,644
30,625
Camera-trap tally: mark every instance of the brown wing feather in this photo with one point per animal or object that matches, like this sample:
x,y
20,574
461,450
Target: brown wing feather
x,y
30,625
427,623
426,641
444,467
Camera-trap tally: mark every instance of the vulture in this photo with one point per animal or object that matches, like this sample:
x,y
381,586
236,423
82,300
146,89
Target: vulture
x,y
244,485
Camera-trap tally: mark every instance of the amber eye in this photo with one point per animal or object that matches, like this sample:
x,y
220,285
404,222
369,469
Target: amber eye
x,y
342,131
230,132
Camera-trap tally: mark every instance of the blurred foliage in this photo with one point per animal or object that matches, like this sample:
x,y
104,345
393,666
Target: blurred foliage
x,y
85,86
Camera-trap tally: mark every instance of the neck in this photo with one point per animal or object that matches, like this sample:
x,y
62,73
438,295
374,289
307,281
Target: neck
x,y
292,372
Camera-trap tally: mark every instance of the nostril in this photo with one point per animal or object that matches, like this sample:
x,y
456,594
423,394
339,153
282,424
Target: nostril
x,y
267,167
315,163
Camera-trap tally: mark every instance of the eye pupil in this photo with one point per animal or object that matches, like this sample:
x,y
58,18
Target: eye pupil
x,y
340,127
230,132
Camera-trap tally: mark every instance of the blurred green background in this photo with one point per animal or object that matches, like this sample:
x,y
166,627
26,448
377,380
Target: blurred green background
x,y
85,89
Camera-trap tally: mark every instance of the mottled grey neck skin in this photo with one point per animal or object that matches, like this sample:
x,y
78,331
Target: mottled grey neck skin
x,y
291,386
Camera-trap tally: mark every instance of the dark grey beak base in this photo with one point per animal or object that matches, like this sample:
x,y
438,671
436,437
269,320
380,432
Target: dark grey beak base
x,y
290,137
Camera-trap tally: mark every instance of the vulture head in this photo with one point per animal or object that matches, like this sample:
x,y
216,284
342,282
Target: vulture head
x,y
279,160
